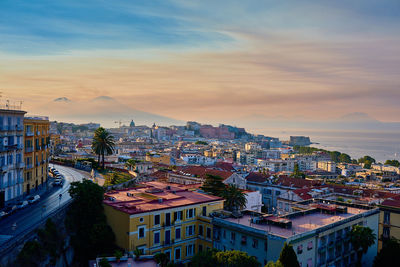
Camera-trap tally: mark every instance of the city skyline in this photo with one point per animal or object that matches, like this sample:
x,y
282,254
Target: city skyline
x,y
207,62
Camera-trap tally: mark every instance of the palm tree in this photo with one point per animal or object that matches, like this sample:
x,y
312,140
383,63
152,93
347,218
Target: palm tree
x,y
235,198
361,239
102,144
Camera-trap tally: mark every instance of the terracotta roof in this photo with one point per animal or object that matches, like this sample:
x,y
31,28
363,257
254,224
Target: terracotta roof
x,y
225,166
303,193
297,182
154,196
200,171
392,202
257,177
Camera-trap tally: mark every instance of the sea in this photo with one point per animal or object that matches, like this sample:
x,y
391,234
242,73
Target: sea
x,y
378,144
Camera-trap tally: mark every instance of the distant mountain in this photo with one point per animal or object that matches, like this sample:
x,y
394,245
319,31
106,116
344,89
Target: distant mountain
x,y
105,110
62,99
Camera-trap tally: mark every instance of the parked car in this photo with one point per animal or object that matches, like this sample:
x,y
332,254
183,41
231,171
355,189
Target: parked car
x,y
10,209
3,214
59,176
58,182
22,204
33,199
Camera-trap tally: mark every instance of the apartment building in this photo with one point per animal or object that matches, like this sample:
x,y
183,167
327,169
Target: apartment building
x,y
319,233
11,155
159,217
37,150
389,220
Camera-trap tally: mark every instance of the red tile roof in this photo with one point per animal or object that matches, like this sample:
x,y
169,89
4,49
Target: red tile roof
x,y
202,172
257,177
392,202
154,196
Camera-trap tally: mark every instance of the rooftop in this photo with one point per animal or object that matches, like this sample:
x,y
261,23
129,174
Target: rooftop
x,y
155,196
301,222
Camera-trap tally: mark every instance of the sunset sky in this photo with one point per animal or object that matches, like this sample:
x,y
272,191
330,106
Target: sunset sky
x,y
211,61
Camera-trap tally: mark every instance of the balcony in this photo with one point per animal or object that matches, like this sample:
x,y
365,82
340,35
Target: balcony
x,y
29,149
29,166
20,165
19,127
29,133
5,168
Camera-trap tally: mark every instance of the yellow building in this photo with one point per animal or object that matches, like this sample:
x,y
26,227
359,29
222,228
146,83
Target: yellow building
x,y
36,154
389,221
161,217
157,158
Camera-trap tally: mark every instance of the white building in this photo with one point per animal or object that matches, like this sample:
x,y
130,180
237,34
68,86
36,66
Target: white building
x,y
11,155
328,166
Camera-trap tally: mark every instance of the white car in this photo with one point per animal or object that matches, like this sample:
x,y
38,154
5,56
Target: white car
x,y
33,199
59,182
22,204
3,214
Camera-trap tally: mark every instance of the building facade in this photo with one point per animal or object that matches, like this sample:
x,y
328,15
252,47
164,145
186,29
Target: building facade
x,y
319,235
11,155
162,218
37,151
389,221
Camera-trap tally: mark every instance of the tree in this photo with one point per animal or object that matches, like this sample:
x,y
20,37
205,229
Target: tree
x,y
344,158
297,173
52,241
361,239
205,258
90,233
161,259
288,257
367,161
130,164
234,258
235,198
32,254
388,254
274,264
104,263
102,144
204,143
213,185
393,162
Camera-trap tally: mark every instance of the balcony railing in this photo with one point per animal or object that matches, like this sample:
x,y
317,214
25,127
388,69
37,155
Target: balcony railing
x,y
21,165
29,166
29,149
29,133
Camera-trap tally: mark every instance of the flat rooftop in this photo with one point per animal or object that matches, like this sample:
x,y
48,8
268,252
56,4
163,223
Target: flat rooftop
x,y
152,196
300,224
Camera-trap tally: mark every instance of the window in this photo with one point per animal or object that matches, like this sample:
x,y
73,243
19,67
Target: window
x,y
200,248
201,230
177,253
309,262
255,243
141,231
310,245
278,193
244,240
386,232
156,238
299,249
265,245
190,250
177,233
157,219
205,211
141,220
167,219
168,253
224,233
386,217
190,213
208,232
233,236
167,237
178,215
190,230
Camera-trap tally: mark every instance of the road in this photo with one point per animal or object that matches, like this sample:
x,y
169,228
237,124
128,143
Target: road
x,y
29,217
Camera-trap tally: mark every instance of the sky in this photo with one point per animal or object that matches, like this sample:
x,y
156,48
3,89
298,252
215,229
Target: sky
x,y
210,61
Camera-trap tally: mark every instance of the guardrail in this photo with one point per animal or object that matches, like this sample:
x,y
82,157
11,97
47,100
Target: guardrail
x,y
26,235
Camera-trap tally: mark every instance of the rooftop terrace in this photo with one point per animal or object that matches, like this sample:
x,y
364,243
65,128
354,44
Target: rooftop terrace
x,y
300,222
155,196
